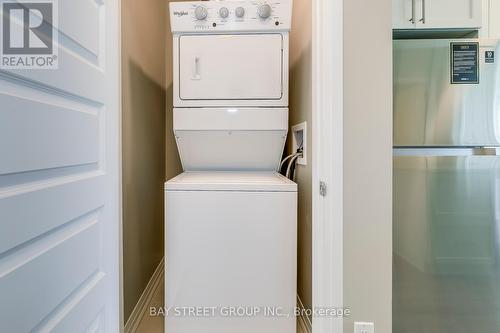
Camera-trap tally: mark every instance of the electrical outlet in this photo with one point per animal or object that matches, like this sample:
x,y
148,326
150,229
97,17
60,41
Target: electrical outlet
x,y
364,328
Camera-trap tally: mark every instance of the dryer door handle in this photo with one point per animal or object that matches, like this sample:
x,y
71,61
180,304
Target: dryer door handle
x,y
196,70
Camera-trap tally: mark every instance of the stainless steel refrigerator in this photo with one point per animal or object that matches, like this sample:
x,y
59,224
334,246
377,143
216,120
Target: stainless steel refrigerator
x,y
446,186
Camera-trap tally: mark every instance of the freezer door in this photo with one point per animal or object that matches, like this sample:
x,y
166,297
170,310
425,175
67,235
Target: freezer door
x,y
446,244
430,111
231,67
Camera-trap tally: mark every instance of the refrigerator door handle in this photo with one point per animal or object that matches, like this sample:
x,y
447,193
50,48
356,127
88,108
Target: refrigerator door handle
x,y
450,151
487,151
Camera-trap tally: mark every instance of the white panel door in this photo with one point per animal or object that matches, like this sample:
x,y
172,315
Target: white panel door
x,y
449,14
59,181
228,67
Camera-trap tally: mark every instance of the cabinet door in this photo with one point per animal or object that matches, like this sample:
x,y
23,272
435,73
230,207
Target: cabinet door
x,y
494,24
449,14
404,14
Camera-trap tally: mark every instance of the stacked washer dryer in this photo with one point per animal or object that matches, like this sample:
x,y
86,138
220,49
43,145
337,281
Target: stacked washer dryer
x,y
231,219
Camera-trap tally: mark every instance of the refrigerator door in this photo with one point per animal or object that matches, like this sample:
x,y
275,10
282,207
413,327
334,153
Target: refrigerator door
x,y
446,244
430,111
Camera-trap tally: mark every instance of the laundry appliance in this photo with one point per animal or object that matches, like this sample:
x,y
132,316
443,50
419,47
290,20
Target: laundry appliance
x,y
231,219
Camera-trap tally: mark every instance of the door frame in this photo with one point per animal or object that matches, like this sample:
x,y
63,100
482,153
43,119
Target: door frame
x,y
327,161
117,60
121,306
114,157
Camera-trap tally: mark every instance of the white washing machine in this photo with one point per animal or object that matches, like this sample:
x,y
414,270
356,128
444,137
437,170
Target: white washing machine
x,y
231,253
231,220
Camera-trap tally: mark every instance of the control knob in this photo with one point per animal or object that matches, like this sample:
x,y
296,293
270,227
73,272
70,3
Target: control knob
x,y
240,12
265,11
224,12
200,13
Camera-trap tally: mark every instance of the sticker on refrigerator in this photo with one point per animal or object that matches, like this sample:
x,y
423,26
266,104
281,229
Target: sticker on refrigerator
x,y
489,57
464,63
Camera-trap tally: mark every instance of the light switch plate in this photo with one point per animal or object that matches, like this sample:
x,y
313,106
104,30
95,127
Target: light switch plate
x,y
364,327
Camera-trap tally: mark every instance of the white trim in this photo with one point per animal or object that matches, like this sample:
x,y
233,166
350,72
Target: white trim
x,y
142,304
120,176
303,320
327,123
111,154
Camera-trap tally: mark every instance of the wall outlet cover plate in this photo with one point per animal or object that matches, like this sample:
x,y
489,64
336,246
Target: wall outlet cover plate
x,y
364,327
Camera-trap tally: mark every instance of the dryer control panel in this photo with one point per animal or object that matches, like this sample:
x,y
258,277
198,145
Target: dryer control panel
x,y
235,16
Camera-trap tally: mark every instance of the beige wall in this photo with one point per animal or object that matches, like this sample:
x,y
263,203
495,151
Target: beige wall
x,y
144,120
173,163
368,163
300,110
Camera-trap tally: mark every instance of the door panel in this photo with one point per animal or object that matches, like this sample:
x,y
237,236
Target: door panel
x,y
403,14
227,67
429,111
81,311
86,12
446,244
42,143
450,14
17,225
59,181
53,256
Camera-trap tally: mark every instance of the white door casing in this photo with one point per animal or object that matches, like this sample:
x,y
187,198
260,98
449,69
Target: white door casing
x,y
60,181
327,162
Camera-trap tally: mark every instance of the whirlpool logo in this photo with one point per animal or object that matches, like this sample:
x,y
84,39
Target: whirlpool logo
x,y
29,34
180,13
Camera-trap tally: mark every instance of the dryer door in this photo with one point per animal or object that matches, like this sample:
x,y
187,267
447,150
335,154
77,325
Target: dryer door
x,y
231,67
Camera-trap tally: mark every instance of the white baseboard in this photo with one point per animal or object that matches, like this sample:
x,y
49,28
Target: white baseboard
x,y
303,320
142,304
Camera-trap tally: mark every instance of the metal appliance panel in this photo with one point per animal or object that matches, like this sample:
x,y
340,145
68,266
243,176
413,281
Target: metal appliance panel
x,y
446,219
430,111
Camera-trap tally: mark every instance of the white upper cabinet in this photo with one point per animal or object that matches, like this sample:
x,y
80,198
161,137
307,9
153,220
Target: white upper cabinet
x,y
437,14
491,19
450,14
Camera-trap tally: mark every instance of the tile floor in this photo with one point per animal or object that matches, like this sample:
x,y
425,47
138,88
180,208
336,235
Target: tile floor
x,y
151,324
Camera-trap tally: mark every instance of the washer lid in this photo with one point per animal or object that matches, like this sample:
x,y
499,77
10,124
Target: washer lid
x,y
231,181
